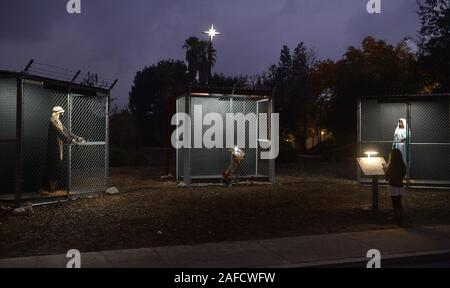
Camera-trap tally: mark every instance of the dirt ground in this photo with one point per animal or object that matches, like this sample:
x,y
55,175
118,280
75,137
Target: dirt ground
x,y
153,212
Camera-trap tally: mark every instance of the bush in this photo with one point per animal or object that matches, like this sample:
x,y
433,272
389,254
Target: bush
x,y
127,158
124,131
331,151
287,152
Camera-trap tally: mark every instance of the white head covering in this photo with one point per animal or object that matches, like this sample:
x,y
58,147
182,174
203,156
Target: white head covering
x,y
401,130
58,109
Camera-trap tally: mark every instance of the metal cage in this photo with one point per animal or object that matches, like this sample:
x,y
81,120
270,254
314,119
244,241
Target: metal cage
x,y
208,165
428,136
26,103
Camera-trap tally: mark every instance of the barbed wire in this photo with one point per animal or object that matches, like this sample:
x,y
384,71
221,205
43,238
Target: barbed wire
x,y
64,74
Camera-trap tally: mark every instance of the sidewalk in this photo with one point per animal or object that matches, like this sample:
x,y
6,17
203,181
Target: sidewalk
x,y
285,252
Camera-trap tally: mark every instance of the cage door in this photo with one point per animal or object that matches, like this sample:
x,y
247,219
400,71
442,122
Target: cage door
x,y
88,171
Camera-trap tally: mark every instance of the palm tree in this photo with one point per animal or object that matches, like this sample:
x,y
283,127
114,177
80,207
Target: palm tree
x,y
211,59
201,57
193,48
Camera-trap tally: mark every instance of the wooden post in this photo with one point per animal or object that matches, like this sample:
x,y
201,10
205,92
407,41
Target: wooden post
x,y
375,193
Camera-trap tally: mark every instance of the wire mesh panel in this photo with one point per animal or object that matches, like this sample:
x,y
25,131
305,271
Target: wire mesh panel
x,y
8,101
211,163
8,88
379,120
206,162
39,169
248,108
430,141
51,164
88,160
378,123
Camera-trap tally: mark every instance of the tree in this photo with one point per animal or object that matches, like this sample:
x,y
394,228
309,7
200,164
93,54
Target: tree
x,y
124,130
322,83
290,77
301,97
152,98
376,68
279,78
220,80
434,41
200,56
193,56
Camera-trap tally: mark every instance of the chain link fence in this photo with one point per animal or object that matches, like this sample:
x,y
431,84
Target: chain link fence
x,y
210,164
88,165
8,101
428,139
56,162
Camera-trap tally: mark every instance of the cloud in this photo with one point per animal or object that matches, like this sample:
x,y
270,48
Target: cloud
x,y
397,21
25,21
116,38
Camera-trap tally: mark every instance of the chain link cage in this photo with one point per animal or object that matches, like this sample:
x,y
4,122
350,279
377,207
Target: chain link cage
x,y
8,102
209,164
55,163
428,137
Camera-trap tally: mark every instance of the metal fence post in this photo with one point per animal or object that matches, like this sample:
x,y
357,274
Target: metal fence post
x,y
107,141
69,104
271,108
408,144
19,155
187,150
359,138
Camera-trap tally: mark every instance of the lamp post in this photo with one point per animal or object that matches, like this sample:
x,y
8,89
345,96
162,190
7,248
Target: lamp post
x,y
212,32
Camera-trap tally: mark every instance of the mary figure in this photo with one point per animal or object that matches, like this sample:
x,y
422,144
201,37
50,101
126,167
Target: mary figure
x,y
400,137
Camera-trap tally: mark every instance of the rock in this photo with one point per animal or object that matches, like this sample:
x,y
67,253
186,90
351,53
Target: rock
x,y
181,185
25,209
168,176
19,211
159,232
28,207
112,191
6,208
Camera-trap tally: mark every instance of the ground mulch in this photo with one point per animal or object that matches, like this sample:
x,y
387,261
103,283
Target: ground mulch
x,y
153,212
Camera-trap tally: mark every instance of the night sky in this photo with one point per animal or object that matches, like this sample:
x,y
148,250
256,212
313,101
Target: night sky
x,y
118,37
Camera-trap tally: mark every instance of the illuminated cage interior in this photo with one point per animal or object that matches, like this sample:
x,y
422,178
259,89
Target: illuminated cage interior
x,y
26,103
428,137
209,165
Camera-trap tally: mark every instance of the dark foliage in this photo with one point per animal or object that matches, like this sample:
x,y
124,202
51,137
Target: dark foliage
x,y
434,42
152,99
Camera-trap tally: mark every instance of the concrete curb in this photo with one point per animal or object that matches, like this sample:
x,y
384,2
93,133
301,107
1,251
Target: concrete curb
x,y
398,247
390,259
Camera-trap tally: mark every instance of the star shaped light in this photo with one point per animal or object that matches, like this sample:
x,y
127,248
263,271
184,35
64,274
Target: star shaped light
x,y
212,33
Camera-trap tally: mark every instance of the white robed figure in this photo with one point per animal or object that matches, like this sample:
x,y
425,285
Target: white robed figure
x,y
400,137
